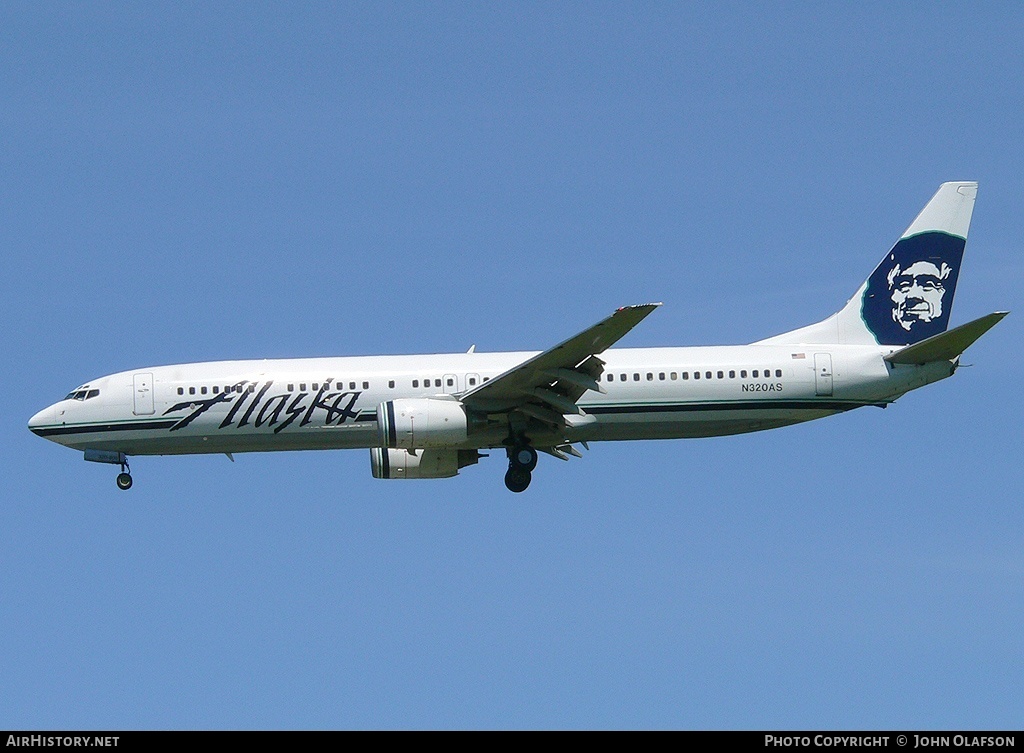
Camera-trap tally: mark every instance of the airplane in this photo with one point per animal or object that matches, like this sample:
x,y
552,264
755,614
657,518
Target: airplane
x,y
429,416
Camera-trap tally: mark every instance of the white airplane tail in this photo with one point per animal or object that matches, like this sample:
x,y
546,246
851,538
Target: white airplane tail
x,y
909,296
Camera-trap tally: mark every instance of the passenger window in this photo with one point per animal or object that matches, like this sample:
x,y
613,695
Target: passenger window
x,y
622,377
351,385
181,390
202,390
291,387
743,374
686,375
609,377
366,385
721,375
252,388
636,377
778,372
767,373
450,382
696,375
661,376
391,384
437,382
216,389
732,374
302,386
415,382
316,385
191,390
707,374
754,373
650,377
672,376
472,381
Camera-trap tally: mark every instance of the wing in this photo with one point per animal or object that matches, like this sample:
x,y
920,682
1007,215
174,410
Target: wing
x,y
547,386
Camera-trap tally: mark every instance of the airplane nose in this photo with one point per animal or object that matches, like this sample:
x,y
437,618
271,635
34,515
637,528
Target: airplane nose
x,y
45,417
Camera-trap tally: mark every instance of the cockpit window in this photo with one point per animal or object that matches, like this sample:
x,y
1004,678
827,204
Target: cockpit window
x,y
83,394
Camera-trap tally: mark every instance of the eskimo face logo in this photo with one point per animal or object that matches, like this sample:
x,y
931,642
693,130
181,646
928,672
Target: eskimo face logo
x,y
917,292
909,295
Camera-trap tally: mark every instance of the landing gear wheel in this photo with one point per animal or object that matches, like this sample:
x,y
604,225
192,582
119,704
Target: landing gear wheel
x,y
517,479
124,481
523,457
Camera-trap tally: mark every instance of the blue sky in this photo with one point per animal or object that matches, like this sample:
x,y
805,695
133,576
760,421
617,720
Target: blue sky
x,y
186,182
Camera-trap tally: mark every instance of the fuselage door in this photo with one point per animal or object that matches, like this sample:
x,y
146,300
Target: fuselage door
x,y
450,384
823,374
143,391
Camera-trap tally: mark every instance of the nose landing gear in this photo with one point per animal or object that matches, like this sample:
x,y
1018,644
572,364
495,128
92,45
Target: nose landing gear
x,y
522,459
124,478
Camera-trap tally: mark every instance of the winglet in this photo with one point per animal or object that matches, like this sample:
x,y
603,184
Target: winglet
x,y
947,345
650,306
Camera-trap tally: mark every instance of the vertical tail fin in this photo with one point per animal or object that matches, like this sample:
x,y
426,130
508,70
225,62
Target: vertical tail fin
x,y
909,296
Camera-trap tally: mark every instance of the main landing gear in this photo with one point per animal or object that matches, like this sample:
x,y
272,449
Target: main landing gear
x,y
522,459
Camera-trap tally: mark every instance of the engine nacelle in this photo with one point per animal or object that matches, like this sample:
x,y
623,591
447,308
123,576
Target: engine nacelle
x,y
391,463
414,423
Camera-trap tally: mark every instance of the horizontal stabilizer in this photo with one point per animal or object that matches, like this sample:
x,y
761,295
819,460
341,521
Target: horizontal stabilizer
x,y
947,345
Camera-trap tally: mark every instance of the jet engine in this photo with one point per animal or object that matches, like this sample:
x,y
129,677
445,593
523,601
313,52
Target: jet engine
x,y
392,463
412,423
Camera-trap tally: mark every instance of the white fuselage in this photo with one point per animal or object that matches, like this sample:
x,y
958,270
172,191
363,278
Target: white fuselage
x,y
331,403
427,416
